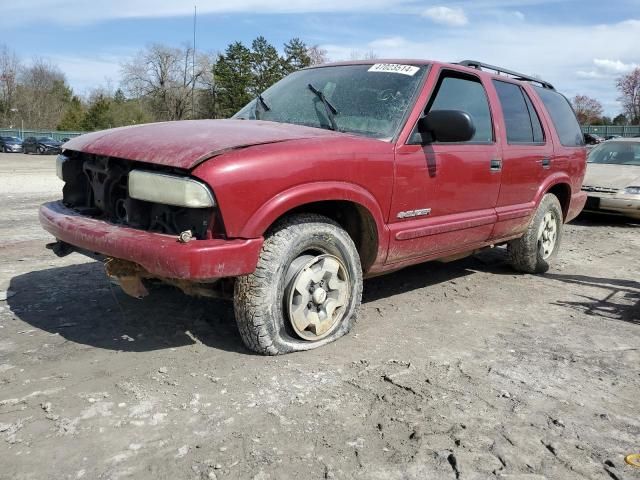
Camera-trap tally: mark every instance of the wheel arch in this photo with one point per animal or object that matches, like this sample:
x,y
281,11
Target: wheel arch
x,y
560,186
563,192
351,206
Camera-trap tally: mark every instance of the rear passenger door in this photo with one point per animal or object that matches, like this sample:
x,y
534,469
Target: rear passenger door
x,y
527,153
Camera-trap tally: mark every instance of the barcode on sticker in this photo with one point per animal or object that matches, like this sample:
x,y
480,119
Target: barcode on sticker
x,y
394,68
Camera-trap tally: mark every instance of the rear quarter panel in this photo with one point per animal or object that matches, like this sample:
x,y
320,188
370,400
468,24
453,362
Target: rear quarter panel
x,y
568,163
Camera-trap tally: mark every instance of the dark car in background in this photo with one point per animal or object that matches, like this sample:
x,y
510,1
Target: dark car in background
x,y
41,145
592,139
10,144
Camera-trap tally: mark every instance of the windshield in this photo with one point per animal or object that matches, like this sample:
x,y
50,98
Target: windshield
x,y
369,100
46,139
616,153
12,139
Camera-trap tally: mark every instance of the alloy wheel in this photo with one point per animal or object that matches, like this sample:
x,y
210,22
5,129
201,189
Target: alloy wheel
x,y
547,235
318,294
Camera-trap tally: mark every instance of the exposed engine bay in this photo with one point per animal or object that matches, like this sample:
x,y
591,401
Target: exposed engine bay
x,y
97,186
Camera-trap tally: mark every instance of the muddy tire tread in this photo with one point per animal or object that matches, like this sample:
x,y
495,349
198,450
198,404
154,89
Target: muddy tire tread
x,y
252,296
523,252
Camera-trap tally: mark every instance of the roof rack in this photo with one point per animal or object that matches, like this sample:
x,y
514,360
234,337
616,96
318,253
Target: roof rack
x,y
504,71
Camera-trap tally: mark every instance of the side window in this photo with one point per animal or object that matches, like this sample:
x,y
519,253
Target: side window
x,y
562,116
520,118
516,114
462,92
538,133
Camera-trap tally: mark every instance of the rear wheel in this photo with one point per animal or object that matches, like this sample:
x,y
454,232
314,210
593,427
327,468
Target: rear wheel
x,y
538,247
305,291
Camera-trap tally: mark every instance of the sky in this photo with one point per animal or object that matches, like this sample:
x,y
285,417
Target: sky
x,y
580,46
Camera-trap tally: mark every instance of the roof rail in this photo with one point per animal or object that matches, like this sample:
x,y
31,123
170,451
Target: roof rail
x,y
504,71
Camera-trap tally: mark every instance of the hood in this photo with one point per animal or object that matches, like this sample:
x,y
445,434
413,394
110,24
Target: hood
x,y
186,143
611,176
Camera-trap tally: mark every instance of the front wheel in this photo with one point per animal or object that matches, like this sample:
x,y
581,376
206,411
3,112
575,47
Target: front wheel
x,y
305,291
538,247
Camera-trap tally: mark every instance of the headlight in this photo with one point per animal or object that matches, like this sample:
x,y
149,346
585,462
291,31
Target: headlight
x,y
169,189
59,162
631,190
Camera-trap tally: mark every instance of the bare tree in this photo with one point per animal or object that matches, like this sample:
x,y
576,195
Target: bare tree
x,y
358,55
588,110
629,88
165,76
317,55
42,94
9,67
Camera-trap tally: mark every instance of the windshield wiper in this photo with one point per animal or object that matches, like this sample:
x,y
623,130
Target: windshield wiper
x,y
331,110
260,101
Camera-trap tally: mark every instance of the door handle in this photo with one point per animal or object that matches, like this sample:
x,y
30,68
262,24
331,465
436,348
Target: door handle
x,y
545,162
496,165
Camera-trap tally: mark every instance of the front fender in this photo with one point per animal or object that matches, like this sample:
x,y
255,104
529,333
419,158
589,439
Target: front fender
x,y
308,193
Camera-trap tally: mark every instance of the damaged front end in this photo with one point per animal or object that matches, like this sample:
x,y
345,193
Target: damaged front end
x,y
99,187
140,196
131,278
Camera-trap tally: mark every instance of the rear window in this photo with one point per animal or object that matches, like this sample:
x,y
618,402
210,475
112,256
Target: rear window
x,y
562,116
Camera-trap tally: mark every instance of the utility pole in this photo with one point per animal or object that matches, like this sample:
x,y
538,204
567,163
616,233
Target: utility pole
x,y
193,66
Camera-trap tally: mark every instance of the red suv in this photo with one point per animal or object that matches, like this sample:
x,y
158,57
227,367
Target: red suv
x,y
335,173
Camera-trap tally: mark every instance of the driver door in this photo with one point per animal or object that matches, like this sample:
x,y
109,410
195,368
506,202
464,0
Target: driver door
x,y
445,193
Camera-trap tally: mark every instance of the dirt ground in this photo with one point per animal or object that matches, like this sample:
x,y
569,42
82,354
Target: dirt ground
x,y
463,370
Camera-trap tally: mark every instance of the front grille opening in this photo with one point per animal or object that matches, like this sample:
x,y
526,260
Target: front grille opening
x,y
97,186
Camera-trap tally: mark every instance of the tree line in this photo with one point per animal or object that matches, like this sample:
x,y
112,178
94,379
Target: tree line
x,y
589,112
163,82
159,83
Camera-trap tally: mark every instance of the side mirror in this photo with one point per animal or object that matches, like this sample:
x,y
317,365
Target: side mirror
x,y
447,126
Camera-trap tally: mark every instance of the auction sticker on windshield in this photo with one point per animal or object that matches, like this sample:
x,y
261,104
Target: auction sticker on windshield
x,y
394,68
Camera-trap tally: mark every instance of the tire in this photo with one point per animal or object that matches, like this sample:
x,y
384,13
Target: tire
x,y
40,150
533,252
268,303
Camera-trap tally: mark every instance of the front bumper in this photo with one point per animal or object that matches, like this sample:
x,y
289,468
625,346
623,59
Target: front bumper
x,y
627,205
159,254
14,148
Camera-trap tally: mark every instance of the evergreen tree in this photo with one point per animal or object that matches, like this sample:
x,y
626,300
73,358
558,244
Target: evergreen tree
x,y
73,116
98,116
296,56
119,97
266,65
620,119
233,79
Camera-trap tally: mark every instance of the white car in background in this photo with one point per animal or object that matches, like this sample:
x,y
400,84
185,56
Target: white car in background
x,y
612,181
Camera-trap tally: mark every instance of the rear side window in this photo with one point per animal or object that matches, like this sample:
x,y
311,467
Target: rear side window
x,y
520,118
562,116
456,92
538,133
